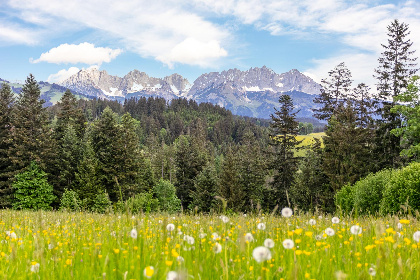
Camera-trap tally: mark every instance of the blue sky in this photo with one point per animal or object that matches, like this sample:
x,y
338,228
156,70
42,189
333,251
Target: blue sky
x,y
53,39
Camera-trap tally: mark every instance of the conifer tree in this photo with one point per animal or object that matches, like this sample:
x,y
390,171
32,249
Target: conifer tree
x,y
396,66
283,131
230,187
6,106
206,189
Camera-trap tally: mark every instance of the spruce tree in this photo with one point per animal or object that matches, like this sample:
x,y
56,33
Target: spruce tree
x,y
230,187
6,107
206,189
283,131
396,66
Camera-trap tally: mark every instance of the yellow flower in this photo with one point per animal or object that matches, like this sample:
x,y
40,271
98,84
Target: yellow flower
x,y
389,230
405,222
309,233
149,271
251,268
68,261
359,265
116,251
297,241
99,256
174,253
298,231
169,263
307,275
298,252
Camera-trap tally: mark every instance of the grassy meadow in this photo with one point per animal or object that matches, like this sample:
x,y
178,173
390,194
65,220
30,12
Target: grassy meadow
x,y
59,245
307,141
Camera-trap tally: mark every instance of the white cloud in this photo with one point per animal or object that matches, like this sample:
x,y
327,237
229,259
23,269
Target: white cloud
x,y
83,53
62,75
16,34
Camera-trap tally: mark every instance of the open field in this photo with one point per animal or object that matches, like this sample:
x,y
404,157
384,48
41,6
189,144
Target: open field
x,y
55,245
307,141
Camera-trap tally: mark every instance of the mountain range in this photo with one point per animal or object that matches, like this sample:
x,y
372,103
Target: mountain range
x,y
253,93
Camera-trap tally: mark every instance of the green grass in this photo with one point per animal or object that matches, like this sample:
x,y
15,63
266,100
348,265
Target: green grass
x,y
93,246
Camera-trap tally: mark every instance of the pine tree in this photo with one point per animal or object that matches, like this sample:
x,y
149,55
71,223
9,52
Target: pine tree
x,y
206,189
283,131
396,67
230,187
6,107
69,114
335,91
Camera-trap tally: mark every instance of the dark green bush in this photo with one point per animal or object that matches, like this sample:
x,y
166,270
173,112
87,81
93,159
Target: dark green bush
x,y
70,201
344,198
142,202
102,203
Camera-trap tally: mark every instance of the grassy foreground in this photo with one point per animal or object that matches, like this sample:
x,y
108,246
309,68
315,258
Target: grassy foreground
x,y
56,245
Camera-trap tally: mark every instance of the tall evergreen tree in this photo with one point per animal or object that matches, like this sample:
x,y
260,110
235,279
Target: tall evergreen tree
x,y
230,187
396,66
6,106
283,131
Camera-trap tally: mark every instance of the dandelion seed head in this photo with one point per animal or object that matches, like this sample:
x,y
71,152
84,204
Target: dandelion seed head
x,y
356,229
261,254
261,226
172,275
224,219
335,220
269,243
170,227
217,248
312,222
286,212
249,237
288,244
372,271
329,232
416,236
133,233
35,267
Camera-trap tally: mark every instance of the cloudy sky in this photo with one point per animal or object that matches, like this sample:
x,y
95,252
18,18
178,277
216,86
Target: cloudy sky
x,y
55,38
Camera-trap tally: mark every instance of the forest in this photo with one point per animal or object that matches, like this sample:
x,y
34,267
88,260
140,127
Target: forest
x,y
149,154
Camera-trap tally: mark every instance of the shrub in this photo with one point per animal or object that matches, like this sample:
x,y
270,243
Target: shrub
x,y
102,203
403,188
344,198
368,192
32,190
70,201
142,202
165,193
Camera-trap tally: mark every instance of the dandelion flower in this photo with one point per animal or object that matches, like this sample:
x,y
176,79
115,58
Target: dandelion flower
x,y
224,219
172,275
288,244
335,220
190,240
416,236
170,227
35,267
50,246
261,226
312,222
286,212
217,248
180,259
356,229
249,237
261,254
202,235
329,231
214,235
149,271
269,243
372,271
133,233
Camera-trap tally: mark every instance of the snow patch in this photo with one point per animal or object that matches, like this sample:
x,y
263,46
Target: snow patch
x,y
252,89
136,87
174,89
280,85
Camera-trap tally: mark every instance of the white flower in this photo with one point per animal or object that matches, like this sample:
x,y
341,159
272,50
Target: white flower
x,y
399,226
356,229
133,217
286,212
329,231
50,246
214,235
172,275
416,236
133,233
224,219
190,240
249,237
335,220
261,254
320,217
312,222
288,244
35,267
217,248
269,243
170,227
261,226
180,259
202,235
245,215
372,271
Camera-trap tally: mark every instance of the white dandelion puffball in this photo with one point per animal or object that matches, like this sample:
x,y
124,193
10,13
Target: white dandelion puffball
x,y
224,219
214,235
399,226
249,237
190,240
217,248
133,233
288,244
416,236
261,226
312,222
50,246
287,212
335,220
202,235
329,231
356,229
170,227
261,254
35,268
372,271
172,275
269,243
180,259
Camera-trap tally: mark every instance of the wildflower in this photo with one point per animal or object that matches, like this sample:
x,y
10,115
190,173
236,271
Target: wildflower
x,y
261,254
68,261
312,222
261,226
149,271
224,219
202,235
416,236
133,233
249,237
172,275
214,235
329,231
180,259
269,243
288,244
168,263
116,251
190,240
405,222
217,248
356,230
286,212
50,246
372,271
34,267
335,220
170,227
